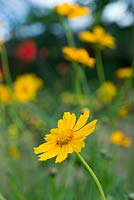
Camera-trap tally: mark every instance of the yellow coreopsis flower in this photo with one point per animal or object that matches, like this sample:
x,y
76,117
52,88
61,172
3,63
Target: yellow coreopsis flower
x,y
26,87
107,92
68,137
79,55
118,138
5,94
123,73
71,10
98,37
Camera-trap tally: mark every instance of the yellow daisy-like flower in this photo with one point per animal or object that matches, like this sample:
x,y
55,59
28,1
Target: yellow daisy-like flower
x,y
99,37
79,55
107,92
26,87
68,137
71,10
123,73
118,138
5,94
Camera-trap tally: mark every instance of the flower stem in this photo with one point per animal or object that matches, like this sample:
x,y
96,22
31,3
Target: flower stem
x,y
93,175
99,66
1,197
5,66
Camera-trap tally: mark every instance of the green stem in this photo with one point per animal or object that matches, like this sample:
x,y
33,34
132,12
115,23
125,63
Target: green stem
x,y
5,65
1,197
93,175
99,66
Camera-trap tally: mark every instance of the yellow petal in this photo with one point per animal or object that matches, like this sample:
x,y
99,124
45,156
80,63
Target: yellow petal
x,y
77,144
62,155
44,147
68,121
72,120
86,130
81,121
50,154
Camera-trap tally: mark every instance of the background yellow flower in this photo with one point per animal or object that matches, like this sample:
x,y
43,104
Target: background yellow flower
x,y
106,92
26,87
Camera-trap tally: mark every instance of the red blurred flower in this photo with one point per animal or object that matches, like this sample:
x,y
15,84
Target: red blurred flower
x,y
26,51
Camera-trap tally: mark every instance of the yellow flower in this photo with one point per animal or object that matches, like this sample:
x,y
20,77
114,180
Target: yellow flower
x,y
79,55
118,138
99,37
68,137
107,92
123,73
71,10
26,87
14,153
123,111
5,94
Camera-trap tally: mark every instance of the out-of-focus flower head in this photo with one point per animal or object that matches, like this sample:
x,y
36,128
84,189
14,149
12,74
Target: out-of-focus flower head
x,y
106,92
14,152
79,55
26,51
119,138
68,137
71,10
99,37
123,111
124,73
26,87
5,94
71,98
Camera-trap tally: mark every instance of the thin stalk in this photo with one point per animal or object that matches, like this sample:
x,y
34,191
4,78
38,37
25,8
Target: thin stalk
x,y
2,197
5,65
99,66
93,175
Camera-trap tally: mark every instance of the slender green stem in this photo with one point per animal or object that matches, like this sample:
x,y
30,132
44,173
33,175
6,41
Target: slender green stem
x,y
93,175
5,65
1,197
99,66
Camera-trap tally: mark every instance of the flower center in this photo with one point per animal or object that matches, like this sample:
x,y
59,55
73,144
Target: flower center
x,y
64,137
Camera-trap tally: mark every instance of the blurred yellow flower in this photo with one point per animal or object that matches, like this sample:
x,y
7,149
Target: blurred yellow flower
x,y
123,73
26,87
79,55
71,10
118,138
99,37
68,137
5,94
106,92
71,98
123,111
14,152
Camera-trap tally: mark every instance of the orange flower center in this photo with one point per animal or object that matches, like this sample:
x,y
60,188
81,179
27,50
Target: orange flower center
x,y
64,137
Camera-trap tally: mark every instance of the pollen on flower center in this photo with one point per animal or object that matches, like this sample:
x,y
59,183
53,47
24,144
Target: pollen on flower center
x,y
64,137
